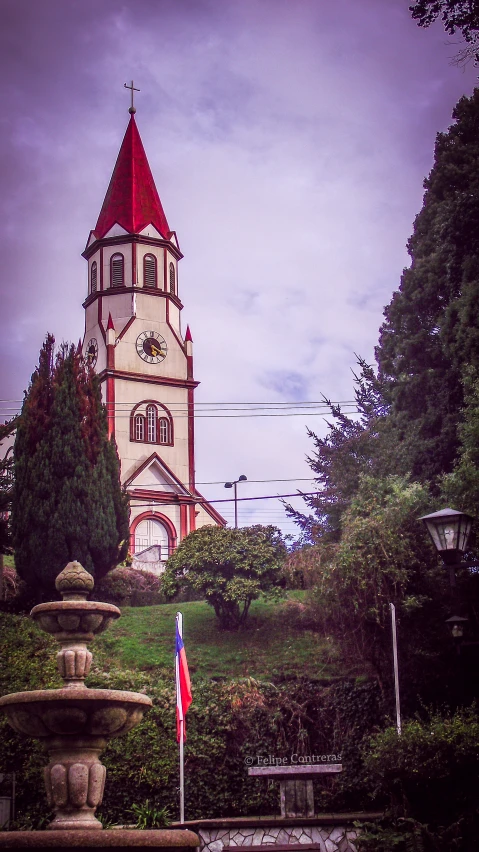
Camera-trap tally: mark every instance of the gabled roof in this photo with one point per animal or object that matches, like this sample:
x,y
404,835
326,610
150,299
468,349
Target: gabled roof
x,y
155,472
132,199
155,475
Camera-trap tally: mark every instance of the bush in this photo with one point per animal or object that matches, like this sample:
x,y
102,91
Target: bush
x,y
17,597
429,778
129,587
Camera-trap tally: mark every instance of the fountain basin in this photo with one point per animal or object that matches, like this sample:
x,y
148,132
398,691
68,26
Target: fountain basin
x,y
74,724
74,620
74,712
111,839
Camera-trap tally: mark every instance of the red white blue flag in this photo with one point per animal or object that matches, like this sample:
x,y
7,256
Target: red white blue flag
x,y
183,685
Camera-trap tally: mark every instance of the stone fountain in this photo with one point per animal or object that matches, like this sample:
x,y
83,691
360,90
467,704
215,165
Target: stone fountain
x,y
74,724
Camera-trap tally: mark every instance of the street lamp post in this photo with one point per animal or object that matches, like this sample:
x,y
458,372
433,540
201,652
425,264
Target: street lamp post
x,y
449,531
234,484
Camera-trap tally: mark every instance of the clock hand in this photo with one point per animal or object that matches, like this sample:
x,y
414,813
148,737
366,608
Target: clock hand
x,y
155,351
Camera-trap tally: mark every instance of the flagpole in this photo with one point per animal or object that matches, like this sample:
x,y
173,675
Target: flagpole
x,y
179,623
182,774
396,669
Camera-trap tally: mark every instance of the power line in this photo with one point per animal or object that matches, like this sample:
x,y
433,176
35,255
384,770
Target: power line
x,y
277,402
238,416
221,481
228,499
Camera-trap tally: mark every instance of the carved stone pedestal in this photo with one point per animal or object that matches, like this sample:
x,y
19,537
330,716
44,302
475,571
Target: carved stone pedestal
x,y
74,781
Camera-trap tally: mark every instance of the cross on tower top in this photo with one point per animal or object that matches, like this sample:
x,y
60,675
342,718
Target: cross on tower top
x,y
131,86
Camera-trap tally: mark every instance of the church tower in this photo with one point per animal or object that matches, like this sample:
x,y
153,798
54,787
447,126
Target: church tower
x,y
133,339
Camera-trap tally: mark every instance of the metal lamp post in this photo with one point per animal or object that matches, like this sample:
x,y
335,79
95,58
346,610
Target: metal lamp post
x,y
449,531
234,484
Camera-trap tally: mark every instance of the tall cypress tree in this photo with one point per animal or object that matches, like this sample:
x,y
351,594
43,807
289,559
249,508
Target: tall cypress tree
x,y
68,502
431,332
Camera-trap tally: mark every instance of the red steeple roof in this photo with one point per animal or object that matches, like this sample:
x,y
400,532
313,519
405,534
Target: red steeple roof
x,y
132,199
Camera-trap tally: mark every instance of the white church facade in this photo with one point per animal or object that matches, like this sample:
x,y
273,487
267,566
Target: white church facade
x,y
134,340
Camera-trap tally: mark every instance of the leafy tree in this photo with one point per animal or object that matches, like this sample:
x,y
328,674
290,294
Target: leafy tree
x,y
383,557
431,331
457,16
67,500
230,567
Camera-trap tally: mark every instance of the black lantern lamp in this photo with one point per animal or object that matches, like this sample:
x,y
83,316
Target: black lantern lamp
x,y
457,624
449,531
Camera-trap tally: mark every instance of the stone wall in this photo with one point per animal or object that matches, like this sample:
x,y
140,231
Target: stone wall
x,y
332,837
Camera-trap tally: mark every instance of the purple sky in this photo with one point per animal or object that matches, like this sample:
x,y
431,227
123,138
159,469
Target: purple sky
x,y
288,139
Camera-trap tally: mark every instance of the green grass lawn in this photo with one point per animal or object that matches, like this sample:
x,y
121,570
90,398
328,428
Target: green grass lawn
x,y
273,644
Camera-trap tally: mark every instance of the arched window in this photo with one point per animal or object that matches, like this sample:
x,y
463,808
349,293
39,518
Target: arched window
x,y
172,279
139,427
164,430
117,270
151,423
149,270
93,277
151,419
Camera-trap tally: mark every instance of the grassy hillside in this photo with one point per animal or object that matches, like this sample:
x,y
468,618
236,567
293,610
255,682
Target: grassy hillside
x,y
276,643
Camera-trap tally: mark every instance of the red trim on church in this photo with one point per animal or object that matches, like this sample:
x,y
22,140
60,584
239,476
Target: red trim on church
x,y
110,404
126,327
191,438
134,265
192,511
183,521
152,380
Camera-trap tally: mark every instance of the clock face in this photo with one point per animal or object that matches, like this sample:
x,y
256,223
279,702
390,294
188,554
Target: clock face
x,y
151,346
91,353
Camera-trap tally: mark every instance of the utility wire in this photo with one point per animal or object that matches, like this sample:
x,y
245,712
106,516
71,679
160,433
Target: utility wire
x,y
227,499
221,481
277,402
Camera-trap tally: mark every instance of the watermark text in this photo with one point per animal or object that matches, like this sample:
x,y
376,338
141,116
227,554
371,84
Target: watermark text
x,y
290,760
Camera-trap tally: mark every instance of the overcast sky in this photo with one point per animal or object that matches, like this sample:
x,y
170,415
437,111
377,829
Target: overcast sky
x,y
288,139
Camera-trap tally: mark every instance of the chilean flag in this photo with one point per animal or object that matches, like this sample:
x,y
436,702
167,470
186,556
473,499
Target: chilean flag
x,y
183,685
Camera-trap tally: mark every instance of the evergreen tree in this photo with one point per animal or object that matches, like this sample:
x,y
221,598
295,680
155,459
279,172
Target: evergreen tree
x,y
354,446
431,332
67,501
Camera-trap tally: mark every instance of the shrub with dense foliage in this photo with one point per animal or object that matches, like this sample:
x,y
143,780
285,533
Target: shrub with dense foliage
x,y
129,587
430,780
230,567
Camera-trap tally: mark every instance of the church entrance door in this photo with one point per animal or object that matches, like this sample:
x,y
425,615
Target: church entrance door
x,y
151,532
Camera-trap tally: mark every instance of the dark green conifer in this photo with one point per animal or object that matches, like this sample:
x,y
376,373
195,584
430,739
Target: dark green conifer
x,y
67,503
431,330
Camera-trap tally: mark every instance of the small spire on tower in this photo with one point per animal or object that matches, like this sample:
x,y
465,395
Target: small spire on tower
x,y
110,323
188,336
